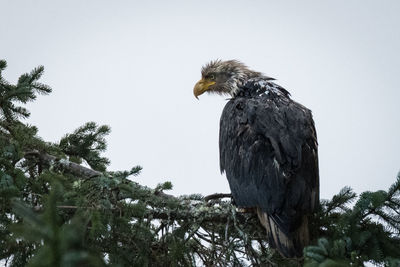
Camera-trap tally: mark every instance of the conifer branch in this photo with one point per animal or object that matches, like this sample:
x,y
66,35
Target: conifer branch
x,y
216,196
63,164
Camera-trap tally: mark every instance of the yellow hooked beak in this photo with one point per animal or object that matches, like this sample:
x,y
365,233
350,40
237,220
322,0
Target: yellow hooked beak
x,y
202,86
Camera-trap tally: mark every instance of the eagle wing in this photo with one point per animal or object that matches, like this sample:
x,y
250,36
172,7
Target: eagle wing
x,y
268,150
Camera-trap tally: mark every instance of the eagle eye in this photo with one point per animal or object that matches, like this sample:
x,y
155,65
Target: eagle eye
x,y
211,76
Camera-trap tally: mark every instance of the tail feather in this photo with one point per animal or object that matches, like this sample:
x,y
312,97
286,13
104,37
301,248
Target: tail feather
x,y
289,245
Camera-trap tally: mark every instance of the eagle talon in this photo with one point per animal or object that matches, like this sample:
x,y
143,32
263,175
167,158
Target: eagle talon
x,y
247,210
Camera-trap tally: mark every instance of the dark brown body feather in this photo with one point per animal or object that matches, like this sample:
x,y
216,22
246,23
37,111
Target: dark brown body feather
x,y
268,150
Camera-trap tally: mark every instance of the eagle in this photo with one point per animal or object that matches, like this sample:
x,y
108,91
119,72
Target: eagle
x,y
268,151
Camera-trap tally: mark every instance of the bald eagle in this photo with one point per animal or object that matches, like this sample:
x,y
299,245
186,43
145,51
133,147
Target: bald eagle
x,y
268,150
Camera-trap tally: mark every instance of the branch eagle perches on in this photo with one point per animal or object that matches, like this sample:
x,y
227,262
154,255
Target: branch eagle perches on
x,y
210,220
81,172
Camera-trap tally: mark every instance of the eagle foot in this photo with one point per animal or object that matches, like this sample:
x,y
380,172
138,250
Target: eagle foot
x,y
247,210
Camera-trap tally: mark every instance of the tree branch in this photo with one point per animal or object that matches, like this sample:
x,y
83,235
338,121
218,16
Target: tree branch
x,y
216,196
63,164
201,212
214,217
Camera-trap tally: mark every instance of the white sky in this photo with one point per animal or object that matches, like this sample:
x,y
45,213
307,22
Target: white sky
x,y
133,65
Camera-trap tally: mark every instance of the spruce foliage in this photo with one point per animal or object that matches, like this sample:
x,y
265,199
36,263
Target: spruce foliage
x,y
56,212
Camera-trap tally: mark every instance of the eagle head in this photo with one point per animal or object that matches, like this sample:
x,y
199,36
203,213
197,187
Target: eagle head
x,y
223,77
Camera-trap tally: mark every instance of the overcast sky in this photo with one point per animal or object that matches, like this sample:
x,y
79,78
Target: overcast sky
x,y
132,65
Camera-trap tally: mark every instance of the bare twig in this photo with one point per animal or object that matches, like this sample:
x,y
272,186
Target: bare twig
x,y
216,196
64,164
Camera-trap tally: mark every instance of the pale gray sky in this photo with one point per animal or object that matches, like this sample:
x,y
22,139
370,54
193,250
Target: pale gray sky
x,y
132,65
